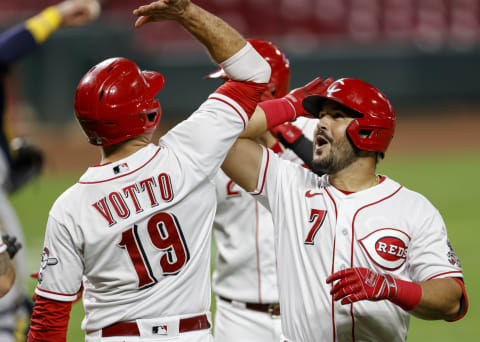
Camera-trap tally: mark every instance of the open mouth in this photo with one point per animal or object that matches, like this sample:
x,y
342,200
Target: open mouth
x,y
321,141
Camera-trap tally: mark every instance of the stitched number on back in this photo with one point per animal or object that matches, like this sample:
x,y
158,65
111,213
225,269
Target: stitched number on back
x,y
316,217
166,235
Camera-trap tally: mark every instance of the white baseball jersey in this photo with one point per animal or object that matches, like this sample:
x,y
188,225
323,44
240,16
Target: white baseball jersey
x,y
137,232
321,230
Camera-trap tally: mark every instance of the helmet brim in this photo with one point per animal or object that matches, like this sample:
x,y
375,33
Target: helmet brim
x,y
313,104
155,80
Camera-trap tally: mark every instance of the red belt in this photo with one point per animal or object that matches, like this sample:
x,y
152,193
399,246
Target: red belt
x,y
272,308
131,328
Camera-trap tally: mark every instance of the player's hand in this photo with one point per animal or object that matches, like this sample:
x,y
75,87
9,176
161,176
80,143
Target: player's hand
x,y
13,246
358,283
161,10
296,96
78,12
287,133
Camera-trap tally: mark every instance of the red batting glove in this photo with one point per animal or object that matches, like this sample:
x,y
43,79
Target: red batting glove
x,y
290,107
361,283
296,96
290,133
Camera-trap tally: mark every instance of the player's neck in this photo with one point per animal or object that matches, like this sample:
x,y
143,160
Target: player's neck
x,y
358,176
124,149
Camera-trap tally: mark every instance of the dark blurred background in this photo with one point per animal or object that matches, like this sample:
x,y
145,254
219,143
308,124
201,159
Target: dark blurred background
x,y
424,54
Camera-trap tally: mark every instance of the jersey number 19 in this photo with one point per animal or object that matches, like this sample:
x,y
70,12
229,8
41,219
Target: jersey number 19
x,y
166,235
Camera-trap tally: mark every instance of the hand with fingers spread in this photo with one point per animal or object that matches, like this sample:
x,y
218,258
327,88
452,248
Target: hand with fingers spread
x,y
161,10
359,283
78,12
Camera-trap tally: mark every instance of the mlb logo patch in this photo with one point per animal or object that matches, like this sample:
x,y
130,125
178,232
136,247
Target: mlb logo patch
x,y
160,330
120,168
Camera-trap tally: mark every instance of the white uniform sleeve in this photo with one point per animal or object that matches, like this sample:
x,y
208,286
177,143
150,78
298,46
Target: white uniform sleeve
x,y
59,258
247,65
205,138
430,254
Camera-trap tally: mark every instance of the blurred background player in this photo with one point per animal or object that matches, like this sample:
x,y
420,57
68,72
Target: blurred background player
x,y
245,275
135,230
357,252
9,246
20,160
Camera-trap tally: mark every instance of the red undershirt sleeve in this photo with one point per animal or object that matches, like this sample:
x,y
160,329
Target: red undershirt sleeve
x,y
49,320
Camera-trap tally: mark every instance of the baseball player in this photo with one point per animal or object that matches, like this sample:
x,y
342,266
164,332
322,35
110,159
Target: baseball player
x,y
136,228
245,278
358,253
20,160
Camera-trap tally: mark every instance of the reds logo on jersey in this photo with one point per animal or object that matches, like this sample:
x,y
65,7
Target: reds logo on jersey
x,y
47,260
386,247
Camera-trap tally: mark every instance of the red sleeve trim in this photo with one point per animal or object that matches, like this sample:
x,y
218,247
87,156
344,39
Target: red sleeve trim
x,y
49,320
246,94
264,174
235,109
441,274
463,302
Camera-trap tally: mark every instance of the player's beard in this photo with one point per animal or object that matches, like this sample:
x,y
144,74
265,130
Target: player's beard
x,y
340,155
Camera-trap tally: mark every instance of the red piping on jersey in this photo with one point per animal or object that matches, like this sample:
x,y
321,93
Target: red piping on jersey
x,y
264,174
333,302
125,174
333,263
353,237
235,109
259,274
57,293
441,274
334,204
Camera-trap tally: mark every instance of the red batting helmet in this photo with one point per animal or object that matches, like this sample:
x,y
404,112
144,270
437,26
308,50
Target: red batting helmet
x,y
114,101
279,82
373,129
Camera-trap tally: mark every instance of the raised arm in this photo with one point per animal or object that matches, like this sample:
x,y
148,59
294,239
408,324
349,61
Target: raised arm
x,y
23,38
221,40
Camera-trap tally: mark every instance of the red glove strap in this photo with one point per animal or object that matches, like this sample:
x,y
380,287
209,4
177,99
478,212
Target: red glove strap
x,y
277,148
277,112
408,295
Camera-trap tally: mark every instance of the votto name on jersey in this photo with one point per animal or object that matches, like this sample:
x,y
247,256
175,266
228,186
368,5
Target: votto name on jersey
x,y
120,204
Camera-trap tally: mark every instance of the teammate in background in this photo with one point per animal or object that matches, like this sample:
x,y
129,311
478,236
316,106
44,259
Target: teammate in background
x,y
245,275
25,160
8,248
356,250
136,229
